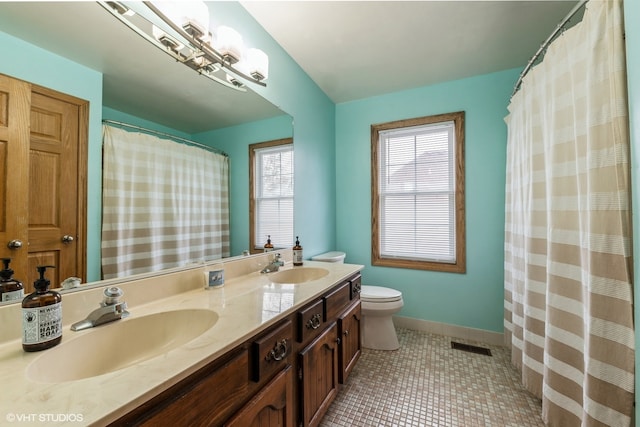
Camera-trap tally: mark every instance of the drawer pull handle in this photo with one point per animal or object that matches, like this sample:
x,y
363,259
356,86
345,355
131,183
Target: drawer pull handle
x,y
346,333
278,352
356,287
314,322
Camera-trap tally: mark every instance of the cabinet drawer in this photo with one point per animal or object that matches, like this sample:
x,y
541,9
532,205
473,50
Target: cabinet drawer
x,y
271,351
310,321
336,301
356,286
207,397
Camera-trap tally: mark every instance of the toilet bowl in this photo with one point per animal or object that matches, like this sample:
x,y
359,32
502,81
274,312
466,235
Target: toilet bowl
x,y
378,305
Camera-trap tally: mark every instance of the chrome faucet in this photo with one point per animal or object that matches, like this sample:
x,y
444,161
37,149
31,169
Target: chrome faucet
x,y
274,265
110,309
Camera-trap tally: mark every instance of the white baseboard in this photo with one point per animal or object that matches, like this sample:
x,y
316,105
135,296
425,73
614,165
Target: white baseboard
x,y
462,332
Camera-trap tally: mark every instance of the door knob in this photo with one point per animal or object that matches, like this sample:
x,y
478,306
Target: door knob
x,y
67,238
14,244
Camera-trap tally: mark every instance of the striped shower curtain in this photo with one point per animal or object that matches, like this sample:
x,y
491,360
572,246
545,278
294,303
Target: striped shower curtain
x,y
568,290
165,204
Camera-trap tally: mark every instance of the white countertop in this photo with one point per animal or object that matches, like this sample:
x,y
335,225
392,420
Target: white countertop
x,y
245,305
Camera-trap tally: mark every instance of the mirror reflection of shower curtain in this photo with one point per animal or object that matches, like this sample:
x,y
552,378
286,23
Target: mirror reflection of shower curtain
x,y
164,204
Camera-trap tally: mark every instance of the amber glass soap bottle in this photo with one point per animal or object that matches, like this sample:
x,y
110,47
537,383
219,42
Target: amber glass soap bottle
x,y
268,247
10,288
297,253
41,316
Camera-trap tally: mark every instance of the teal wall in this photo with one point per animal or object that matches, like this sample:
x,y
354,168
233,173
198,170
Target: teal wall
x,y
235,142
290,89
34,65
632,34
474,299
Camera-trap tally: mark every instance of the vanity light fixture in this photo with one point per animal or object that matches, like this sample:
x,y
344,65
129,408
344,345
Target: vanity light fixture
x,y
120,8
181,30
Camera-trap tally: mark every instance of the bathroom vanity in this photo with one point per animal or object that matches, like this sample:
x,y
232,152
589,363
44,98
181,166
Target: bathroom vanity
x,y
272,350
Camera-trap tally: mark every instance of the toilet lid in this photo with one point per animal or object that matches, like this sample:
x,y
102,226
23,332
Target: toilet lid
x,y
379,294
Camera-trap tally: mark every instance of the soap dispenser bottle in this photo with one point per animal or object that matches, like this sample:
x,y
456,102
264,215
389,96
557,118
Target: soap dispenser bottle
x,y
268,247
41,316
10,288
297,253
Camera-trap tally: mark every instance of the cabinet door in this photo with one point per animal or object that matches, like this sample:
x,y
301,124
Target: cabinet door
x,y
271,407
349,332
318,364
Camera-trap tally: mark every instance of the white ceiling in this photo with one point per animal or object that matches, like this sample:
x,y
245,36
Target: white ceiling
x,y
351,49
359,49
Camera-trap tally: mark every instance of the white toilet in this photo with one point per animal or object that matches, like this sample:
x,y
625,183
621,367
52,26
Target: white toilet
x,y
333,256
378,305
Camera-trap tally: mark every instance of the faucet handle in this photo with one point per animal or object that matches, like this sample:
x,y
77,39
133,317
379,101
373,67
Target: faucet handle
x,y
112,295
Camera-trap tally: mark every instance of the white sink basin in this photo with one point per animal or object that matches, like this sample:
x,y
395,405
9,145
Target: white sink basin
x,y
298,275
119,344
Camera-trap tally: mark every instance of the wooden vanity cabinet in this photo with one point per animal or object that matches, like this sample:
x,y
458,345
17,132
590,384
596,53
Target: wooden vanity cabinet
x,y
287,375
249,380
328,359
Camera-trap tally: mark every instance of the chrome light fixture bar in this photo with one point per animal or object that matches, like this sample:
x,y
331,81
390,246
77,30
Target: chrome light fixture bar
x,y
189,45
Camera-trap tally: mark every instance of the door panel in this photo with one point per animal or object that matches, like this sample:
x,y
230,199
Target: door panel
x,y
53,187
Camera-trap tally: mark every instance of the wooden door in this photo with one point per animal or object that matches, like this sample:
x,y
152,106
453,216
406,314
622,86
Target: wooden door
x,y
43,167
55,226
15,98
318,364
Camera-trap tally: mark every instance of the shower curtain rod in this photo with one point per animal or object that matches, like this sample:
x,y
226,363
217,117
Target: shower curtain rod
x,y
546,43
155,132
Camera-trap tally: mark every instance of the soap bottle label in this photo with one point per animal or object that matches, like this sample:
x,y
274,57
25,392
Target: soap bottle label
x,y
13,295
42,324
297,257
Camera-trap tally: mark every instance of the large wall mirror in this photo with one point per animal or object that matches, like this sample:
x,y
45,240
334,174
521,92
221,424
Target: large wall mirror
x,y
142,84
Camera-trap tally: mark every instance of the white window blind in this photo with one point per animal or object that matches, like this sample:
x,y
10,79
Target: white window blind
x,y
274,195
417,193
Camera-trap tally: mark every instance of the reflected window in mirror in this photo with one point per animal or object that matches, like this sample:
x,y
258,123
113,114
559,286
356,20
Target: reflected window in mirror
x,y
271,194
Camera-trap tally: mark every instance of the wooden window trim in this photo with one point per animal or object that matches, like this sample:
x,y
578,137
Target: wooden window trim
x,y
252,202
460,265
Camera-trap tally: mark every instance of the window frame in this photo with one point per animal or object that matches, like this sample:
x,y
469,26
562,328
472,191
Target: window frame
x,y
459,266
255,246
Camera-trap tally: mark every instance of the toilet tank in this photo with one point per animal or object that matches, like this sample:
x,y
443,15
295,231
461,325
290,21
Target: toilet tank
x,y
333,256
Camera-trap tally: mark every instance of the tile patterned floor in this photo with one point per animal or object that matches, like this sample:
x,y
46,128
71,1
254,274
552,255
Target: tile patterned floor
x,y
427,383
